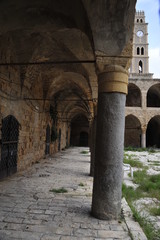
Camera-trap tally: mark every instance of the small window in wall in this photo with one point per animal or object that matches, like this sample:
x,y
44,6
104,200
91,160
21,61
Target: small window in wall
x,y
138,51
137,20
142,51
140,67
141,20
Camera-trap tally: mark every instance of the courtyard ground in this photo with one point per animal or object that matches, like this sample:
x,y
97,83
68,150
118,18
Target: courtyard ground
x,y
30,208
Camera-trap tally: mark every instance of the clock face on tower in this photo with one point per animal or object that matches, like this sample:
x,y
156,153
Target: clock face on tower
x,y
140,33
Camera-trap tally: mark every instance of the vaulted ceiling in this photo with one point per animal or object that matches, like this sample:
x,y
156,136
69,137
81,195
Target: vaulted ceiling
x,y
58,42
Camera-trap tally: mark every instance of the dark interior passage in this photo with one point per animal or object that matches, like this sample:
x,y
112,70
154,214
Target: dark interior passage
x,y
153,96
83,141
132,131
79,131
153,132
133,98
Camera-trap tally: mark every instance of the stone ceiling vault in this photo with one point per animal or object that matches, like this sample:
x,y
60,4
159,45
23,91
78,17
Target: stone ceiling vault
x,y
65,38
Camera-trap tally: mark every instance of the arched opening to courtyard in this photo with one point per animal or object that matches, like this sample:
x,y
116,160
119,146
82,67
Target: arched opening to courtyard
x,y
153,96
153,132
132,131
133,98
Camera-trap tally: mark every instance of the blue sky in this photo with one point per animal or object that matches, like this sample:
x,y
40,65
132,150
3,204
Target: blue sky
x,y
151,9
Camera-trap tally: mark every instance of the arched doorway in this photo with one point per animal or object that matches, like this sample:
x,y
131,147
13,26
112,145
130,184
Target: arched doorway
x,y
153,96
132,131
79,131
10,134
153,132
48,140
133,98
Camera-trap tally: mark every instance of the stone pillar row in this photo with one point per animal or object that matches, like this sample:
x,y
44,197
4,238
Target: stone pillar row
x,y
112,90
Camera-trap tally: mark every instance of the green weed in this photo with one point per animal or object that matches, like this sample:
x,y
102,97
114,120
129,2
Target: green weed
x,y
148,228
135,149
133,162
84,152
155,211
131,194
58,190
81,184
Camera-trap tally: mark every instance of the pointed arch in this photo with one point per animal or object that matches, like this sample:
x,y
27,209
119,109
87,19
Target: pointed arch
x,y
153,96
132,131
153,132
133,98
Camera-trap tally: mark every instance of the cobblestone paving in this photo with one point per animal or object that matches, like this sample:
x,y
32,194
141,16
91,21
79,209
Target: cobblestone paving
x,y
30,211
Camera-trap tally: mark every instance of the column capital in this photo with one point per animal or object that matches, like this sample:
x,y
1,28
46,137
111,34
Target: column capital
x,y
114,78
102,62
144,129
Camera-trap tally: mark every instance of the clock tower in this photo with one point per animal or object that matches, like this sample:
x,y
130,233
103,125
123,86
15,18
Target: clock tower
x,y
140,60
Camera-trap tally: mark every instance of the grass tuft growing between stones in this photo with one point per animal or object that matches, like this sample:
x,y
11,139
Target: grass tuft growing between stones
x,y
148,184
58,190
84,152
81,184
134,149
131,194
128,159
148,228
155,211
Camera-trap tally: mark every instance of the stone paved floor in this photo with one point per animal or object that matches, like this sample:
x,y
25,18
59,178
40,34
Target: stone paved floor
x,y
28,210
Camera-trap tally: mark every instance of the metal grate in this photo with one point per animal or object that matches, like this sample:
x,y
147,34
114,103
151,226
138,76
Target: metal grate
x,y
10,133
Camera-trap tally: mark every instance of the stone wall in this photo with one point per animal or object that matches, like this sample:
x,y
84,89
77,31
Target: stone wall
x,y
33,121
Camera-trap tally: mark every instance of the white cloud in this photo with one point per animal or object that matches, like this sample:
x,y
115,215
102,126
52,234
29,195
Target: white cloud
x,y
154,62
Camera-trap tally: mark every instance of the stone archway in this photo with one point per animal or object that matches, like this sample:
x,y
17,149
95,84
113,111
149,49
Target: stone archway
x,y
153,96
132,131
133,98
153,132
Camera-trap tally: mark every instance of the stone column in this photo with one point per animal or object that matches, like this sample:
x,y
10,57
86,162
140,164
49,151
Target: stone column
x,y
112,88
143,137
93,143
